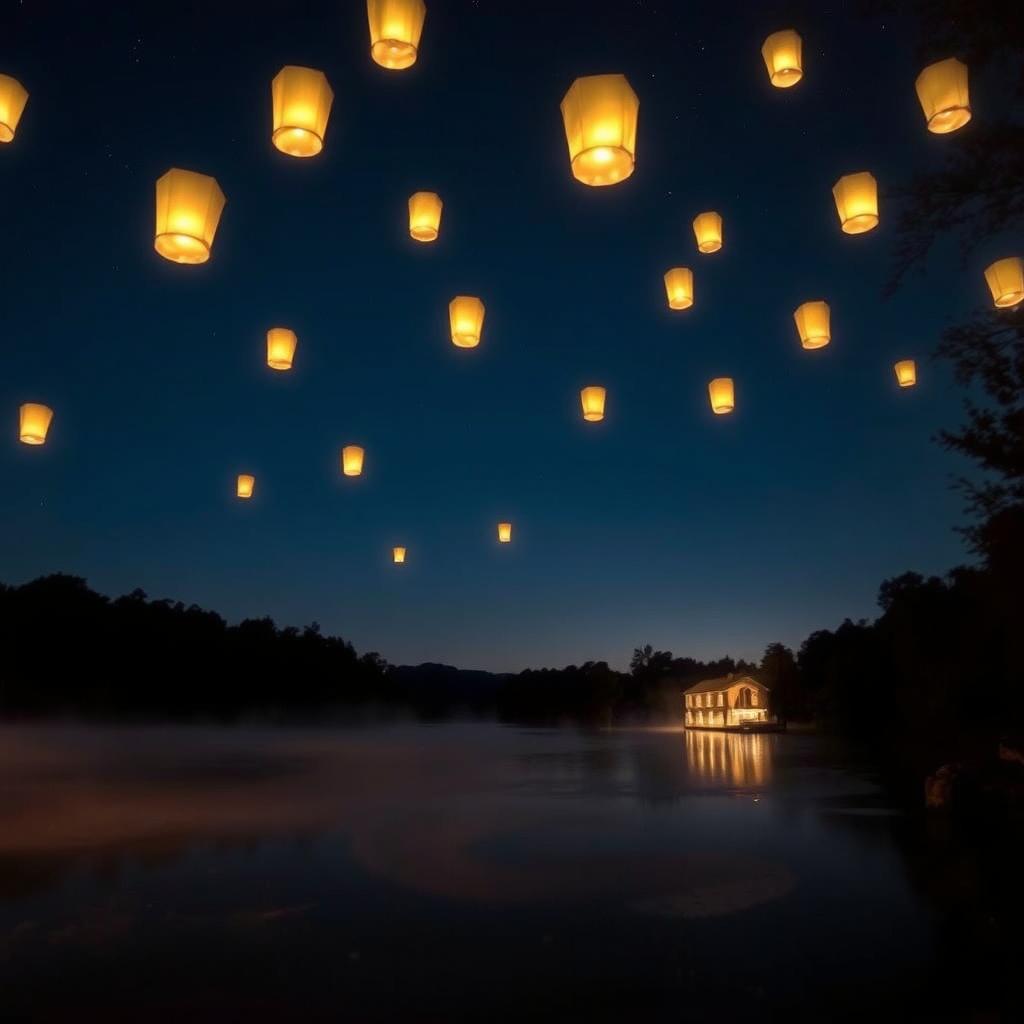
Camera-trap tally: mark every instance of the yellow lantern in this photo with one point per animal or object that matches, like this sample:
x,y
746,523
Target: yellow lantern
x,y
812,323
425,216
352,460
281,344
395,30
723,398
679,287
600,115
942,90
246,485
188,209
466,316
302,99
13,97
708,229
856,198
398,554
34,422
504,533
906,373
783,57
593,398
1006,281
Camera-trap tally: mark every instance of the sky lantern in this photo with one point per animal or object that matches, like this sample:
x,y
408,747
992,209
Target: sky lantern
x,y
398,555
188,209
593,398
34,422
466,316
707,227
395,30
723,396
505,533
906,373
783,57
352,460
425,216
679,287
302,99
13,97
813,324
246,485
600,115
1006,281
942,90
281,344
856,198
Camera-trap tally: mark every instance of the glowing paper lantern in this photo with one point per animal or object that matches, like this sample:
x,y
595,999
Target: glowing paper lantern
x,y
505,532
906,373
302,99
425,216
352,460
34,422
856,198
708,229
783,53
188,209
1006,281
246,485
281,344
13,97
723,398
679,287
395,30
600,115
398,554
942,90
812,322
466,316
593,398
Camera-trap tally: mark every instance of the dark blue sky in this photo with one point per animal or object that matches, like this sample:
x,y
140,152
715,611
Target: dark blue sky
x,y
664,523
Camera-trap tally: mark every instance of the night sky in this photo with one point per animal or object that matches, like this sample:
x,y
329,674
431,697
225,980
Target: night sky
x,y
663,524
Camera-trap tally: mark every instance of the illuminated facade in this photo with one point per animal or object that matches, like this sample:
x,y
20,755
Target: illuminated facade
x,y
731,702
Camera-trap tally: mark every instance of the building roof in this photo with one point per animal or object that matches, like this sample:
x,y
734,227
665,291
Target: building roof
x,y
723,683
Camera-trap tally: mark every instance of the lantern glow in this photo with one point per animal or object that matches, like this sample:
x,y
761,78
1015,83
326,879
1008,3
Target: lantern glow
x,y
398,555
281,344
593,398
783,57
466,318
945,100
352,460
856,197
722,394
395,30
34,423
188,209
600,113
707,227
505,533
679,287
1006,282
425,216
246,485
13,97
302,99
906,373
813,324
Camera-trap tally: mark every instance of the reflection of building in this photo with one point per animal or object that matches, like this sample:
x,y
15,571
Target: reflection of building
x,y
731,702
728,759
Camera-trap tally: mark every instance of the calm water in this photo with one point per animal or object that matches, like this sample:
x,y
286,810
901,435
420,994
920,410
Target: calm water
x,y
452,872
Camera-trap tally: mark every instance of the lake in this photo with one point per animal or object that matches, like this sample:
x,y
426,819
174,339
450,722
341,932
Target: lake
x,y
450,872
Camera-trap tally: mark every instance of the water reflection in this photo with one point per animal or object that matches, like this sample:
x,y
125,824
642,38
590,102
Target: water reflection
x,y
727,759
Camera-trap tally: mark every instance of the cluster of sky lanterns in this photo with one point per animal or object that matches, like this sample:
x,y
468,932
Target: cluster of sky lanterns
x,y
600,116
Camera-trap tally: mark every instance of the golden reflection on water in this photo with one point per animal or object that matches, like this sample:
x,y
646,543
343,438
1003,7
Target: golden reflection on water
x,y
729,759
